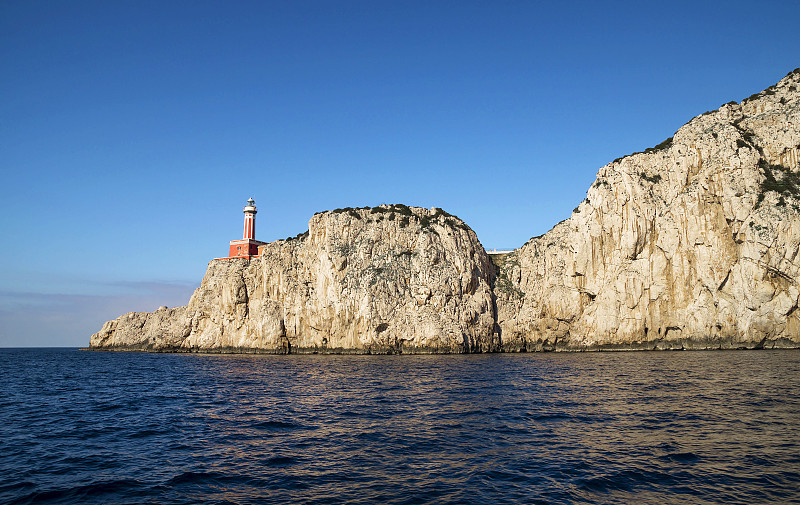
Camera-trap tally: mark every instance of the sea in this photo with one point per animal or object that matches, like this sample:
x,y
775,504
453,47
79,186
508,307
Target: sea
x,y
686,427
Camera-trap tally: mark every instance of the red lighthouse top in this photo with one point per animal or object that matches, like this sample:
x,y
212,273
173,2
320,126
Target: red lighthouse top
x,y
248,246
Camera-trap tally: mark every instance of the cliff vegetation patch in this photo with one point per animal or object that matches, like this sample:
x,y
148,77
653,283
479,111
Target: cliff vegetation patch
x,y
748,136
502,283
394,211
779,179
299,236
666,144
652,179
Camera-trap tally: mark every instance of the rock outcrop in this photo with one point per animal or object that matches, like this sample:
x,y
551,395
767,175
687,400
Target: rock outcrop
x,y
380,280
692,244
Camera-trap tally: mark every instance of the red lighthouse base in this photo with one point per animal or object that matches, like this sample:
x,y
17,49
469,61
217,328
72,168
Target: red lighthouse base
x,y
244,248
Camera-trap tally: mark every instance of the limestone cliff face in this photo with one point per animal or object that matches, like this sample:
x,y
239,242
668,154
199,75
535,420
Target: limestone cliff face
x,y
386,279
691,244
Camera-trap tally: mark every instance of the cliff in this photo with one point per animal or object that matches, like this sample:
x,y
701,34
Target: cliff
x,y
383,280
692,244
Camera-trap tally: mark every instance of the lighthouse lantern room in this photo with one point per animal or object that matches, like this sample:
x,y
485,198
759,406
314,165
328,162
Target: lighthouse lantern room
x,y
248,246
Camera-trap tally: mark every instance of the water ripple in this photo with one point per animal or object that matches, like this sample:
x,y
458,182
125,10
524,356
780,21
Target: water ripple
x,y
701,427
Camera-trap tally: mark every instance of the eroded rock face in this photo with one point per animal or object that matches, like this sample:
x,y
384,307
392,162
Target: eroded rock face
x,y
386,279
693,244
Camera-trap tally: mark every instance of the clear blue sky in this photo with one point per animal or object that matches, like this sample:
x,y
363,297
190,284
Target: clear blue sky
x,y
132,132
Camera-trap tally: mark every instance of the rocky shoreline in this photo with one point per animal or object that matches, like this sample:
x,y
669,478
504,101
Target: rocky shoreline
x,y
691,244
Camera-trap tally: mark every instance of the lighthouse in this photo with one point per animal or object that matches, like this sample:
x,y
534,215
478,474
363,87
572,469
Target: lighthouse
x,y
250,220
248,246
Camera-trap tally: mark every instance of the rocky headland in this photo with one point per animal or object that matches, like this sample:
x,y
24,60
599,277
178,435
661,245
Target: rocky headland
x,y
691,244
371,280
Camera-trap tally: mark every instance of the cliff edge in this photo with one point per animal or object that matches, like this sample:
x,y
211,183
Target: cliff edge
x,y
691,244
371,280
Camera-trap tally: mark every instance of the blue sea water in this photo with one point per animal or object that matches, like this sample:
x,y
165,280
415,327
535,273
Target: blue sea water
x,y
644,427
